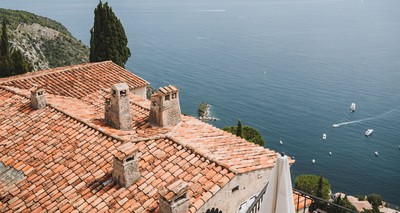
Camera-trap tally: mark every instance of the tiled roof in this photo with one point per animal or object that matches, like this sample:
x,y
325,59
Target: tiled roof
x,y
68,164
76,81
66,150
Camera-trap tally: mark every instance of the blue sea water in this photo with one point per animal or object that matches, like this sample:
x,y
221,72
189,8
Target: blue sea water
x,y
290,68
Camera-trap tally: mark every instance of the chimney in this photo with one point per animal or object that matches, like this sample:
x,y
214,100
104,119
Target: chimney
x,y
174,197
38,98
117,108
126,170
165,109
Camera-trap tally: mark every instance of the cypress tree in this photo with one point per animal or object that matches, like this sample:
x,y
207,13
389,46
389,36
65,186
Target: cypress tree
x,y
11,63
108,40
4,49
239,129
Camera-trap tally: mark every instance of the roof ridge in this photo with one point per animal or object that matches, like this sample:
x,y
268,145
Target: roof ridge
x,y
50,71
68,115
188,147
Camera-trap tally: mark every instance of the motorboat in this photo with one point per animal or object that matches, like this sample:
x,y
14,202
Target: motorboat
x,y
376,153
369,132
335,125
353,107
280,142
313,161
330,153
324,136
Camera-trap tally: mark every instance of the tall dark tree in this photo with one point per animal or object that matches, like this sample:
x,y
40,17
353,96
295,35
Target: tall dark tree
x,y
108,40
239,129
4,49
11,63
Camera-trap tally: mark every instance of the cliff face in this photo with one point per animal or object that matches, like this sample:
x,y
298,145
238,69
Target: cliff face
x,y
45,42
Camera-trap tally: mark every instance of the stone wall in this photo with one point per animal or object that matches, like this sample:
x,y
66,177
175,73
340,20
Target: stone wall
x,y
239,190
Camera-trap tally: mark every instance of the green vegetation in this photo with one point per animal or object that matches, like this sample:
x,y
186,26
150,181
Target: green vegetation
x,y
247,132
314,185
344,203
16,17
108,40
239,130
149,91
45,42
203,109
375,199
11,62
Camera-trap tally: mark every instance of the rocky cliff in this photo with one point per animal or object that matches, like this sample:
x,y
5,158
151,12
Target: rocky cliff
x,y
45,42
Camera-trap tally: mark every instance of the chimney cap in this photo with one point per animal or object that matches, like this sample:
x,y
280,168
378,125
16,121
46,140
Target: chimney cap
x,y
120,86
35,88
168,90
126,151
174,189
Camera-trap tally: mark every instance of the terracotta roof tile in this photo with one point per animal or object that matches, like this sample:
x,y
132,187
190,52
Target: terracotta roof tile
x,y
66,149
76,81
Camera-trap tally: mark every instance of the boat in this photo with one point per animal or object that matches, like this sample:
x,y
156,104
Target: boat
x,y
280,141
369,132
335,125
376,153
324,136
353,107
330,153
313,161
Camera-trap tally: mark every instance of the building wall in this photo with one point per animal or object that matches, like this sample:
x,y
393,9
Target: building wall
x,y
228,200
140,91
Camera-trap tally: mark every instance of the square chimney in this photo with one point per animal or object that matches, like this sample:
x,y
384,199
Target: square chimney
x,y
165,109
117,107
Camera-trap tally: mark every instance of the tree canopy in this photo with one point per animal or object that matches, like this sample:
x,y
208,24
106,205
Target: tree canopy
x,y
11,62
247,132
344,202
108,40
314,185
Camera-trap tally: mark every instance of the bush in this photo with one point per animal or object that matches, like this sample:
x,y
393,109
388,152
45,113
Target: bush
x,y
248,133
375,199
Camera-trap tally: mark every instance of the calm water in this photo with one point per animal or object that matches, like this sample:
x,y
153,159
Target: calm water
x,y
290,68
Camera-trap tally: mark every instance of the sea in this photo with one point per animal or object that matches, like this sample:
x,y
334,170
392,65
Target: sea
x,y
290,68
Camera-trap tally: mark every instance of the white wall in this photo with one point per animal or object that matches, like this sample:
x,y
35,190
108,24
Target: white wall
x,y
140,91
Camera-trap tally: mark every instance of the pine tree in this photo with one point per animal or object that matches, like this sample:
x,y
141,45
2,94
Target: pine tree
x,y
239,129
108,40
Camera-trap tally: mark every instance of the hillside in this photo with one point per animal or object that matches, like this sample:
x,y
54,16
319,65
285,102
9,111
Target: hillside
x,y
45,42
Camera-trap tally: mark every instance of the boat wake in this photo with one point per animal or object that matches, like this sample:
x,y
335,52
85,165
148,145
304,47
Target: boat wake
x,y
364,119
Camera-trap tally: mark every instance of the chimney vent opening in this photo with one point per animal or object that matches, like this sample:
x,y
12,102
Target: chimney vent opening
x,y
38,98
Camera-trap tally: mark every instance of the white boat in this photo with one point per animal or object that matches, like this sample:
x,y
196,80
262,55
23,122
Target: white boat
x,y
369,132
280,141
313,161
324,136
353,107
330,153
335,125
376,153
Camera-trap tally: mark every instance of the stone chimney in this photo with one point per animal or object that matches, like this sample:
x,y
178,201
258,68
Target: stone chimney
x,y
117,107
174,197
126,169
38,98
165,109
